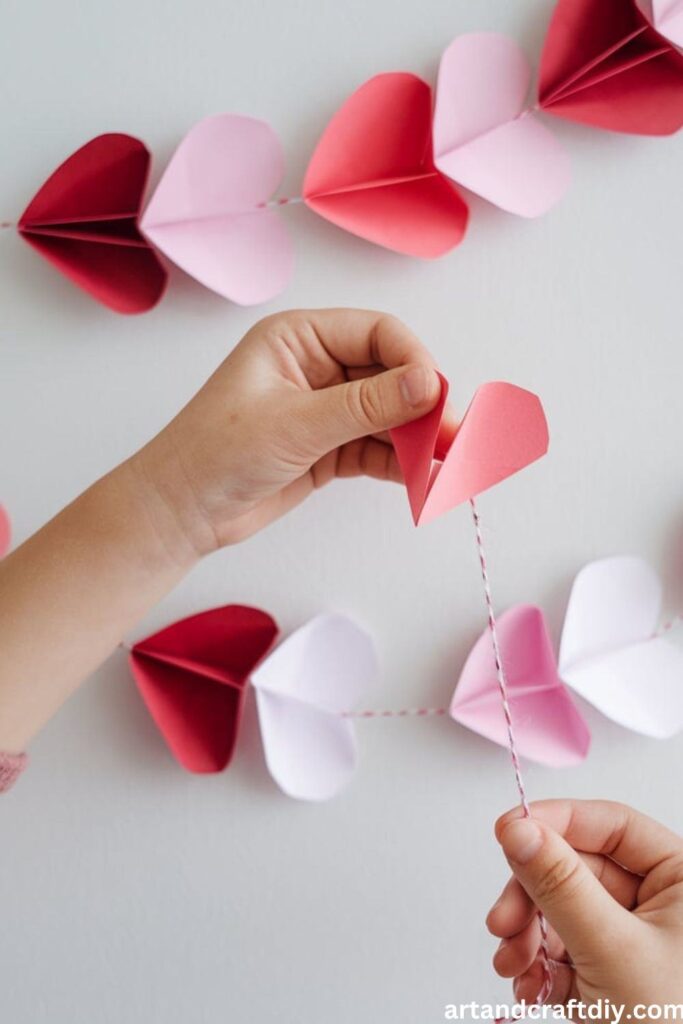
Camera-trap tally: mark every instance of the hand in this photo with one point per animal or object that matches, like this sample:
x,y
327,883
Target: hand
x,y
610,883
306,396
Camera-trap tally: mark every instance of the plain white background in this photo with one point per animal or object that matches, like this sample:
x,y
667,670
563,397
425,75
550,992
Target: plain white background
x,y
130,891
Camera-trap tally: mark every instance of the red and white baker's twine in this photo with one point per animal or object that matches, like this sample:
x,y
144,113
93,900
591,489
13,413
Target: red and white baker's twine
x,y
548,964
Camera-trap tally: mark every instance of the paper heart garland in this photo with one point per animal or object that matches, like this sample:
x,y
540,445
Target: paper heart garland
x,y
548,727
503,430
84,221
485,138
376,171
194,675
604,64
5,532
610,653
372,172
209,215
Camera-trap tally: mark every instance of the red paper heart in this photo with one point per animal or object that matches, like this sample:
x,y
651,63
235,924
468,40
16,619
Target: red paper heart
x,y
503,430
193,678
372,172
84,221
603,64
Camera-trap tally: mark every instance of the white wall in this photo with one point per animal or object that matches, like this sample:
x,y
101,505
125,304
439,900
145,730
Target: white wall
x,y
132,892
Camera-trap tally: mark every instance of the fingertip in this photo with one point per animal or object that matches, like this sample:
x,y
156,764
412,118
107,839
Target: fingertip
x,y
420,387
512,815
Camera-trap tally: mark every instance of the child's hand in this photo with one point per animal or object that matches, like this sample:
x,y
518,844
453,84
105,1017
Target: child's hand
x,y
610,883
305,396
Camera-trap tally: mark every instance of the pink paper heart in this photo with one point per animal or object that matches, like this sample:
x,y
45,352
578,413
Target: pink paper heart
x,y
208,213
548,727
503,430
484,136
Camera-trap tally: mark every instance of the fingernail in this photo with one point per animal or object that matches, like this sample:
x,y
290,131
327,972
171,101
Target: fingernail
x,y
521,840
416,385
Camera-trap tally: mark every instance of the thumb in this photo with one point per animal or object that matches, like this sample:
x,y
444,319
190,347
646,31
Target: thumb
x,y
564,889
334,416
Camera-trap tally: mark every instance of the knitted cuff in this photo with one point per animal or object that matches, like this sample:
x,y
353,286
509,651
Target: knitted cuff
x,y
11,767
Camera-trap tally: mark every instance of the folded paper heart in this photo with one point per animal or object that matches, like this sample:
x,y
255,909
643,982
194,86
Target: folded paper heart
x,y
302,692
611,653
84,221
604,64
503,430
209,212
373,174
194,675
548,727
5,532
485,138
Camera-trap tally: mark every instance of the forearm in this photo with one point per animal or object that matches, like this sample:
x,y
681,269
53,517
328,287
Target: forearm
x,y
70,593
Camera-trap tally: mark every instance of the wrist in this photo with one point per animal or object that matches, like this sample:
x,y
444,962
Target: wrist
x,y
172,508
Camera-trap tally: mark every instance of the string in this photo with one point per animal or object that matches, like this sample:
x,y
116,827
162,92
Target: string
x,y
280,201
548,963
396,713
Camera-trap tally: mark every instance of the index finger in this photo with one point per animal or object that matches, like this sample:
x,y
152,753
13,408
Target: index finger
x,y
632,839
365,340
363,337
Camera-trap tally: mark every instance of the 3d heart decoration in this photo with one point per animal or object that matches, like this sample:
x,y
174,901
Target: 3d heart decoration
x,y
373,173
605,65
485,137
209,212
548,727
388,167
84,220
503,430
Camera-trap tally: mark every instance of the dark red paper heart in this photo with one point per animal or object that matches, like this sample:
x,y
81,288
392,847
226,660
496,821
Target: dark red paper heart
x,y
193,677
84,221
603,64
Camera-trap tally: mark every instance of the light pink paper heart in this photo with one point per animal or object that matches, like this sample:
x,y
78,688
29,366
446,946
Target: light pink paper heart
x,y
485,138
548,727
208,213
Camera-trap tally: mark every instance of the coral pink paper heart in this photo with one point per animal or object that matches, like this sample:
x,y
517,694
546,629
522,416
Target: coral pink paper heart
x,y
503,430
484,138
548,727
5,532
209,214
193,677
372,172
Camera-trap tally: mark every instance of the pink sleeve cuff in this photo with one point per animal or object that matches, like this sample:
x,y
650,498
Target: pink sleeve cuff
x,y
11,767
